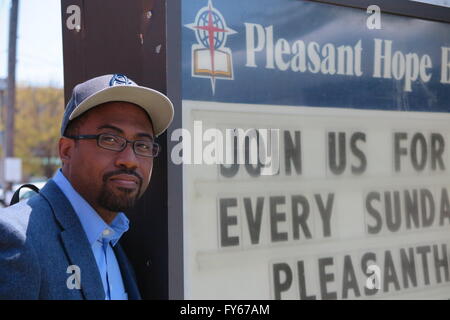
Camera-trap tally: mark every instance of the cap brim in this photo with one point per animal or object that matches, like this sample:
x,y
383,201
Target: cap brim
x,y
157,105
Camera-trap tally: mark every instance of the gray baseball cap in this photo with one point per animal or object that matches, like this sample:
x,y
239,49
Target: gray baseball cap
x,y
118,87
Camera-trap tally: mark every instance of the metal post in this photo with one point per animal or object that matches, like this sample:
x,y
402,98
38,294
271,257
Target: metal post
x,y
11,92
11,96
3,87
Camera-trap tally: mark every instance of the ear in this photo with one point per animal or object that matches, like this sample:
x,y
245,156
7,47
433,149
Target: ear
x,y
65,147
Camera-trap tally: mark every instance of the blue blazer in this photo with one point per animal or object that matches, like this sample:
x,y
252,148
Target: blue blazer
x,y
39,239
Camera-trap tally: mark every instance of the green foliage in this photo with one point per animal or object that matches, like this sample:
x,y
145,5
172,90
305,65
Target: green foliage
x,y
37,123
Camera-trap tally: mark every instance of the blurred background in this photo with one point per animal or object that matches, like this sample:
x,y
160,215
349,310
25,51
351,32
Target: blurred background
x,y
39,98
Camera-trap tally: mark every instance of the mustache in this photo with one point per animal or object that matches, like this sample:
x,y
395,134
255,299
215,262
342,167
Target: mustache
x,y
110,174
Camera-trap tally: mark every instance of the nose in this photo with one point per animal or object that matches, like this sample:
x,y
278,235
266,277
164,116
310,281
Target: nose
x,y
127,158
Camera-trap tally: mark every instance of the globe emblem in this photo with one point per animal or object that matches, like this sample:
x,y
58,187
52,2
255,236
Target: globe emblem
x,y
202,34
210,58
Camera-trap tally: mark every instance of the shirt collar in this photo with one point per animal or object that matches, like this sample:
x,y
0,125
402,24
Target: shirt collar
x,y
94,226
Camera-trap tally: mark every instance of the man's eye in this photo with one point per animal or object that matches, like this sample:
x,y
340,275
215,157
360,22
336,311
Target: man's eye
x,y
109,139
143,145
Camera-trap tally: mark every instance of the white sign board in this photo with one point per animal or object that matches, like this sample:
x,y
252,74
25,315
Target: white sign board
x,y
358,206
13,169
359,209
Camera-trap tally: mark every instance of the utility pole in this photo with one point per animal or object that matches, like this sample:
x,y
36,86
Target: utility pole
x,y
3,88
11,93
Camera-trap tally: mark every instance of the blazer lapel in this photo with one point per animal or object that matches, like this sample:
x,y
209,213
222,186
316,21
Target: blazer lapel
x,y
128,278
75,242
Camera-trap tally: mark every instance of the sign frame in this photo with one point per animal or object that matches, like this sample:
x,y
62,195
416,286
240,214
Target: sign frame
x,y
399,7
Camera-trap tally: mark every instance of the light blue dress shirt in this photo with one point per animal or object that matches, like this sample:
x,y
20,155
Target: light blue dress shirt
x,y
101,236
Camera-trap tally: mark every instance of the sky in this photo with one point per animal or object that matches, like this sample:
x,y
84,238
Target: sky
x,y
39,43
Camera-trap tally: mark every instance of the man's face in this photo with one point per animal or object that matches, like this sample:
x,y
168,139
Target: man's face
x,y
109,180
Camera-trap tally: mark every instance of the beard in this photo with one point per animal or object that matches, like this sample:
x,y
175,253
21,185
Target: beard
x,y
122,200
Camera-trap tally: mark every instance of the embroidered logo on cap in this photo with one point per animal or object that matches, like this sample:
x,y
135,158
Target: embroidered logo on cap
x,y
119,79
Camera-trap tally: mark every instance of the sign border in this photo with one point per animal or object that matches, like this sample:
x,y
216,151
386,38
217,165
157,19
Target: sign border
x,y
400,7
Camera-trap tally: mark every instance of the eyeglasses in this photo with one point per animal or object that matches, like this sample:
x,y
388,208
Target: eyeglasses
x,y
145,148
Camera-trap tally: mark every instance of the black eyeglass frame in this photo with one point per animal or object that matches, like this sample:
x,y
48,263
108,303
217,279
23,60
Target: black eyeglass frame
x,y
132,142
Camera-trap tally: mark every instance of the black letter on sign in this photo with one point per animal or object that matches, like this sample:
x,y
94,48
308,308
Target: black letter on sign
x,y
254,219
366,258
358,152
442,263
349,278
232,170
390,275
226,221
437,149
300,219
326,277
399,151
302,282
337,160
426,196
408,267
279,286
411,209
418,138
424,251
325,212
373,212
275,217
393,211
292,152
445,207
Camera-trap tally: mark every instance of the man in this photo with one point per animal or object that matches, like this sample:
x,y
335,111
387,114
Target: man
x,y
63,242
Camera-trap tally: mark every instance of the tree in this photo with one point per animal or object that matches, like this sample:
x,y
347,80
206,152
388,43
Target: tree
x,y
38,121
